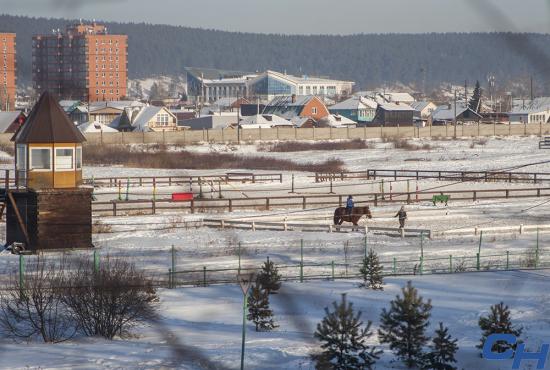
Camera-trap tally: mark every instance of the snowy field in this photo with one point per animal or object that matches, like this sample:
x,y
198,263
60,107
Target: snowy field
x,y
209,318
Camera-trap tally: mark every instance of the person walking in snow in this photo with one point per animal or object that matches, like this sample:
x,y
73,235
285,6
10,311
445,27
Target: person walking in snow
x,y
349,205
402,217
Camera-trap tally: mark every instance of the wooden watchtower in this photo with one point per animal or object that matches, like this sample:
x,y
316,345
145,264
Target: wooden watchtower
x,y
49,208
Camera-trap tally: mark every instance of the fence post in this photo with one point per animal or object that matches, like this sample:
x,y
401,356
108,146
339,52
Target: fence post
x,y
421,265
239,254
21,274
537,250
507,260
478,262
127,188
114,208
170,278
301,260
366,244
173,252
119,189
204,276
332,265
96,262
480,241
450,263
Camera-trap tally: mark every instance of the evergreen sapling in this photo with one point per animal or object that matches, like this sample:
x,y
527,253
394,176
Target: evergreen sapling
x,y
371,271
442,351
343,338
269,277
258,309
404,325
498,322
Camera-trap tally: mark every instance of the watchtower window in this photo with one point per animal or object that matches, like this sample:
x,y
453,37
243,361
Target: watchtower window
x,y
21,157
64,158
78,158
41,159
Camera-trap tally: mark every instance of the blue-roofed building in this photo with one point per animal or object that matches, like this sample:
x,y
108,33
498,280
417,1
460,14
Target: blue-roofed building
x,y
271,84
356,108
446,114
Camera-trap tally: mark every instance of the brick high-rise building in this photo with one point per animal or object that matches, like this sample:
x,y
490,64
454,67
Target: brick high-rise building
x,y
83,63
7,71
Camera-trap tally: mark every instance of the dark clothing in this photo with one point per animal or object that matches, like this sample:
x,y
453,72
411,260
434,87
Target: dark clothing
x,y
402,217
349,206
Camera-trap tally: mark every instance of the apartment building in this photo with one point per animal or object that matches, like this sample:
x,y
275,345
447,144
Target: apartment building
x,y
8,77
84,63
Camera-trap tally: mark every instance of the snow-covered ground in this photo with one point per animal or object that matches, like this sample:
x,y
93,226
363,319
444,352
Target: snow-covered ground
x,y
210,317
209,320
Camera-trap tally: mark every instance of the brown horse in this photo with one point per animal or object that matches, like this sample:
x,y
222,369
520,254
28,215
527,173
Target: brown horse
x,y
341,215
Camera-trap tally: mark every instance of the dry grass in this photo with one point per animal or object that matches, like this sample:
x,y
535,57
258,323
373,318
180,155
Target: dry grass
x,y
406,144
301,146
146,157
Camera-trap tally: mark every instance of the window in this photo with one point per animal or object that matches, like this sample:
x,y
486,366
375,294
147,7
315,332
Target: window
x,y
314,110
64,158
79,158
41,159
162,119
21,157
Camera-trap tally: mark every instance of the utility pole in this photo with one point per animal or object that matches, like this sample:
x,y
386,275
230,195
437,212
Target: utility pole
x,y
454,115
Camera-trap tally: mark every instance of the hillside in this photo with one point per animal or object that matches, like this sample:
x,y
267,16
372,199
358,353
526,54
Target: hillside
x,y
370,60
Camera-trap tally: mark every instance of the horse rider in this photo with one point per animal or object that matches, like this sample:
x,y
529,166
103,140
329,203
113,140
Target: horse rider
x,y
349,205
402,217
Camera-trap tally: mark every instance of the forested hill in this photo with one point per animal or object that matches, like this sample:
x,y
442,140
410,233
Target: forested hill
x,y
367,59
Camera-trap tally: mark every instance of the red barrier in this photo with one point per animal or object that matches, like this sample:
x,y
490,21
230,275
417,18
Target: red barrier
x,y
182,196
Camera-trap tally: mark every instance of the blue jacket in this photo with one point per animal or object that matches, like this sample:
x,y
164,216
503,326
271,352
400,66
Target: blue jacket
x,y
349,203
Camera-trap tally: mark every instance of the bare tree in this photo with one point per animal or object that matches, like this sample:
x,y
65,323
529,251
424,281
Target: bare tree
x,y
34,306
111,300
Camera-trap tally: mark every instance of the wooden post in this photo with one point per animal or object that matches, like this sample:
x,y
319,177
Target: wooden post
x,y
303,202
114,208
19,219
153,206
267,204
230,205
192,206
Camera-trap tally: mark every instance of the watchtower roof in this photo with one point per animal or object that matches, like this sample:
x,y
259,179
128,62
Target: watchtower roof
x,y
48,123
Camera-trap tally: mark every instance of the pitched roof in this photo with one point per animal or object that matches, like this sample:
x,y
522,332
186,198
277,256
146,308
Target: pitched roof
x,y
48,123
419,106
396,107
7,118
355,102
284,106
95,127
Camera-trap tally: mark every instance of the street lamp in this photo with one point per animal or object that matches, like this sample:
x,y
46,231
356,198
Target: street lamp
x,y
245,281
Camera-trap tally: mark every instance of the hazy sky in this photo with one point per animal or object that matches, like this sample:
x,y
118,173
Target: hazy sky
x,y
304,16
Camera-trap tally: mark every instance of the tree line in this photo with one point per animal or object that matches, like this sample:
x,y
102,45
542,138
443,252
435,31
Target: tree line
x,y
420,60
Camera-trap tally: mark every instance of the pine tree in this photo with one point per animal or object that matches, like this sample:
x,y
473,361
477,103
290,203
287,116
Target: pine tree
x,y
404,325
498,322
371,271
442,351
139,90
475,101
343,339
269,277
258,309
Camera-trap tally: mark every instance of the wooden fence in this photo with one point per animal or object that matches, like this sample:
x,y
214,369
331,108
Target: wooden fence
x,y
293,226
481,176
320,201
230,135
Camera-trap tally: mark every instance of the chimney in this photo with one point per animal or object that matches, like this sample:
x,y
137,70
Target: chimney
x,y
294,98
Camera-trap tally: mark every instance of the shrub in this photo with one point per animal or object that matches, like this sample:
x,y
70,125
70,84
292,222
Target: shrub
x,y
36,307
111,300
142,157
300,146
